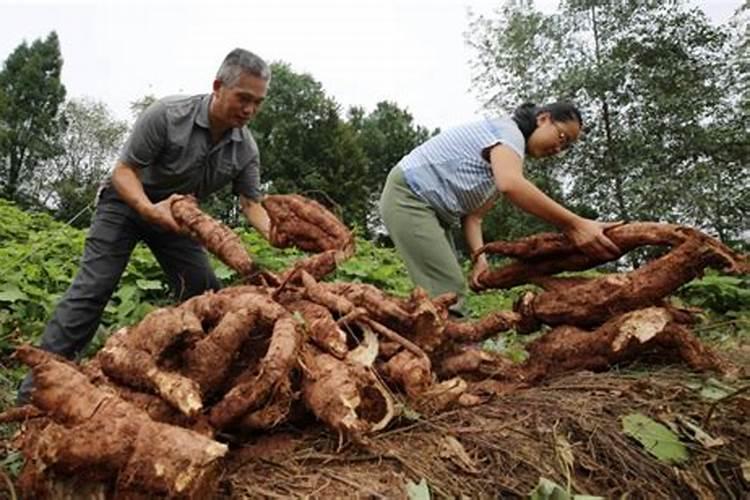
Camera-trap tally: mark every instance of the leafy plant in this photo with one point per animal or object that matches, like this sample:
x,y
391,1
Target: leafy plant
x,y
718,293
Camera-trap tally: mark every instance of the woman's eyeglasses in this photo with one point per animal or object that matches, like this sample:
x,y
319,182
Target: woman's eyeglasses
x,y
563,138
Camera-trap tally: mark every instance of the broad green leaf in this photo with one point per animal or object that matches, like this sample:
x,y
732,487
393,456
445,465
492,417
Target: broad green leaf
x,y
223,272
420,491
11,293
549,490
149,284
656,438
126,293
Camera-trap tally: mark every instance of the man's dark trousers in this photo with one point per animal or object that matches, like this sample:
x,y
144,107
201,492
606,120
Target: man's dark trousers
x,y
114,232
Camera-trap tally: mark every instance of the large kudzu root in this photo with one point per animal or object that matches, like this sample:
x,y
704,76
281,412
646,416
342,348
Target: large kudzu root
x,y
208,362
321,327
133,358
548,254
567,348
380,306
274,368
413,373
345,395
595,301
306,224
474,331
98,433
218,238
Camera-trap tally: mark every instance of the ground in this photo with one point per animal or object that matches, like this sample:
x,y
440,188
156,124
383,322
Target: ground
x,y
568,431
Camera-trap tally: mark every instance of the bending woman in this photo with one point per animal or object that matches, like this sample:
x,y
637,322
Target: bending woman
x,y
454,179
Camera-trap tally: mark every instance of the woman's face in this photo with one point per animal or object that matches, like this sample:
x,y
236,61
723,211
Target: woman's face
x,y
551,137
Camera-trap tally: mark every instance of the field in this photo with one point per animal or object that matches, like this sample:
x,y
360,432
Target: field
x,y
649,429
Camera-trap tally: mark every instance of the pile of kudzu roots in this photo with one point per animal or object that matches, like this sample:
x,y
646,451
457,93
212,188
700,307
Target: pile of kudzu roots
x,y
147,415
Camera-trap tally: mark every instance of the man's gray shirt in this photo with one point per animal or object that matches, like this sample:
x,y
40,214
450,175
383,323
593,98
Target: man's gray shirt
x,y
171,145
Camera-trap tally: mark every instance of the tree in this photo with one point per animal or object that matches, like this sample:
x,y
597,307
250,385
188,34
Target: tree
x,y
386,135
68,182
31,93
307,149
653,77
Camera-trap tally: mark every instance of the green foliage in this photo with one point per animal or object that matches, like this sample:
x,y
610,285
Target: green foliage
x,y
307,149
547,489
656,438
718,293
659,89
69,181
31,93
38,261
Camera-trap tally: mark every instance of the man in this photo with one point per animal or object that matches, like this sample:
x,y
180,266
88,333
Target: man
x,y
179,145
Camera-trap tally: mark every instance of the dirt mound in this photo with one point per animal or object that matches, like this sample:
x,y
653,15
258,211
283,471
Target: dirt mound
x,y
569,431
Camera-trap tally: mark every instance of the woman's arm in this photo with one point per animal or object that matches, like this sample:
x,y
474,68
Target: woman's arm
x,y
588,235
472,228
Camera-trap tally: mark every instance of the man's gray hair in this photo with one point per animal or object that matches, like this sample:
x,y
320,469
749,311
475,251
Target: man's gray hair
x,y
239,61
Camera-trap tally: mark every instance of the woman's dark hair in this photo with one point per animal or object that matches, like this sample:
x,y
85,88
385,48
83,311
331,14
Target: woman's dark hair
x,y
561,111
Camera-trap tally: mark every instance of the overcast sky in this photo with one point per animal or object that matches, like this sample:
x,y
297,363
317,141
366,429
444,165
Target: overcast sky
x,y
411,52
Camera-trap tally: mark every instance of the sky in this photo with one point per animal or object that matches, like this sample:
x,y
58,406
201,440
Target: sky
x,y
411,52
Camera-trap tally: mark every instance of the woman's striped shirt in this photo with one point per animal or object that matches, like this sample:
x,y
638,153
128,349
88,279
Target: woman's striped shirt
x,y
448,171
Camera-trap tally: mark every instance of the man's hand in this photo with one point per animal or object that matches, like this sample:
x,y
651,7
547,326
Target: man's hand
x,y
588,235
160,214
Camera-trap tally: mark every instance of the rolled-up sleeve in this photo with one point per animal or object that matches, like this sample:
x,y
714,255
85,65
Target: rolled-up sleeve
x,y
148,138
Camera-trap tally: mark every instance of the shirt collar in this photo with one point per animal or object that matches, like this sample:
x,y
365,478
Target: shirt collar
x,y
201,118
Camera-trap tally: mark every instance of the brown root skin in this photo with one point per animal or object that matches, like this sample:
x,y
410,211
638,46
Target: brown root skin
x,y
209,361
382,308
624,337
98,431
320,294
155,407
476,361
344,395
428,321
275,367
305,223
162,328
318,266
219,239
487,326
548,254
121,359
20,413
595,301
413,373
322,328
275,412
625,236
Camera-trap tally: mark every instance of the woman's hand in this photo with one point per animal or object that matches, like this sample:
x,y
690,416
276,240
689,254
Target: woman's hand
x,y
588,236
479,267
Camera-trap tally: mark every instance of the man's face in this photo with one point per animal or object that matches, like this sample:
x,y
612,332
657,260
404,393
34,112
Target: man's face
x,y
234,106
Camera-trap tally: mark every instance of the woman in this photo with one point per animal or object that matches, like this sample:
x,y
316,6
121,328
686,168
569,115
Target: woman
x,y
456,176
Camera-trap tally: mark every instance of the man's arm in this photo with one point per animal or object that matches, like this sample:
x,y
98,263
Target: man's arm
x,y
256,215
127,182
588,235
